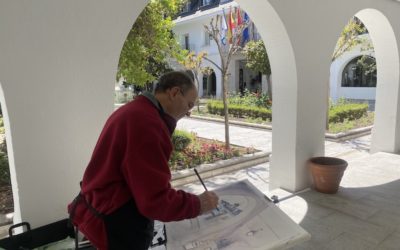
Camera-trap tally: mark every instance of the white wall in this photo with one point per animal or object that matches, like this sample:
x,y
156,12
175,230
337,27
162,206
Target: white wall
x,y
193,25
57,70
58,64
336,71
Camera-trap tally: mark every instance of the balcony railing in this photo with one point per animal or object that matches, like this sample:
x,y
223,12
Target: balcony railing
x,y
194,5
205,4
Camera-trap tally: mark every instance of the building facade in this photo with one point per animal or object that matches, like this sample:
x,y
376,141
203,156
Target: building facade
x,y
189,29
347,80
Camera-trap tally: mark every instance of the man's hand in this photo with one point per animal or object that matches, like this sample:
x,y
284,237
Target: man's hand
x,y
208,201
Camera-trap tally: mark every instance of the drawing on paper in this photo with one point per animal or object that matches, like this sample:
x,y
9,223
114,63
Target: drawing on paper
x,y
245,220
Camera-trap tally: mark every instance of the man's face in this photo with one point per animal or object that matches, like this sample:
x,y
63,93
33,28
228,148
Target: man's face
x,y
183,101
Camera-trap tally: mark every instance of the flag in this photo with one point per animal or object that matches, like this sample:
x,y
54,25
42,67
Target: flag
x,y
224,28
239,22
231,26
245,37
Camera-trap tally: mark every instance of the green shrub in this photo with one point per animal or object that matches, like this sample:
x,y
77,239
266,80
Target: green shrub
x,y
240,107
181,139
349,111
237,110
250,99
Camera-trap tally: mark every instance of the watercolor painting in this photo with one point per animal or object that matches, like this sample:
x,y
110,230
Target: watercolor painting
x,y
245,219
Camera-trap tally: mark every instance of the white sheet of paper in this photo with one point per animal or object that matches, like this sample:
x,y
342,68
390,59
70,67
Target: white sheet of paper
x,y
246,220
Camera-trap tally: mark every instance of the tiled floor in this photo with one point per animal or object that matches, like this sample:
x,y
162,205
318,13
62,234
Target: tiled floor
x,y
364,214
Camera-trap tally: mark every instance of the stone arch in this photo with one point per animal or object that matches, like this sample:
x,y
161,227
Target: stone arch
x,y
57,92
213,82
385,136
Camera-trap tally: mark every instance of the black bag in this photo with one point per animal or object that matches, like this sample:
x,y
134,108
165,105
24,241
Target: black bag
x,y
34,238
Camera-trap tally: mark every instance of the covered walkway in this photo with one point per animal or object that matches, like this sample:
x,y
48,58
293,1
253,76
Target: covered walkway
x,y
364,214
57,72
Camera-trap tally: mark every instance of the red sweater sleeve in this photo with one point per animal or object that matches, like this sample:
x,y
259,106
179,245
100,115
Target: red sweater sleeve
x,y
148,176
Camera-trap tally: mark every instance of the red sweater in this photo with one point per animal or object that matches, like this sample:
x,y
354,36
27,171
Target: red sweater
x,y
130,160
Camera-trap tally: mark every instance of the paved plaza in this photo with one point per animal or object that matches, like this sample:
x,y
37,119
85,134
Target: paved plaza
x,y
364,214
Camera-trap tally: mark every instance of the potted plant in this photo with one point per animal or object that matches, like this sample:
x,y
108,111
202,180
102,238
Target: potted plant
x,y
327,173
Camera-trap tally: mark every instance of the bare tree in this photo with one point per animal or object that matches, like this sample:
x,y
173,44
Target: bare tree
x,y
225,51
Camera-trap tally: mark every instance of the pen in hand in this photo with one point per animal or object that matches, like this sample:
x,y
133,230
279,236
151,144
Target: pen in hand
x,y
202,183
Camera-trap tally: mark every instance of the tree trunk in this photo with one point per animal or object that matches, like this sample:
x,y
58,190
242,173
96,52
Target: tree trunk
x,y
198,89
225,101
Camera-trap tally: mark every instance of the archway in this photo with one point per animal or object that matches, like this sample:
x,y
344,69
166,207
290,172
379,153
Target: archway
x,y
7,171
386,129
210,85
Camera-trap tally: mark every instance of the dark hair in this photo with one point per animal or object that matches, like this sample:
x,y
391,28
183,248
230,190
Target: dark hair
x,y
181,79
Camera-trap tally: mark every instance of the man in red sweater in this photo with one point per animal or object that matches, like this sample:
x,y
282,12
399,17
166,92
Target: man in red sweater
x,y
127,182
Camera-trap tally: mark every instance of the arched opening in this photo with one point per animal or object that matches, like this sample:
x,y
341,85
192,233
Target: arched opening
x,y
352,80
7,171
210,85
388,81
356,73
353,68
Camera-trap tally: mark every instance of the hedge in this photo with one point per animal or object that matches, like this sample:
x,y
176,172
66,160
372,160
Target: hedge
x,y
217,108
349,111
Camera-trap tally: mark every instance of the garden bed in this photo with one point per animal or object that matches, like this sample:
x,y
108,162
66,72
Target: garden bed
x,y
203,151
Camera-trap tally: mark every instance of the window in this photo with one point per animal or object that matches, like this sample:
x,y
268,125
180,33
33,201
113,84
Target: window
x,y
187,45
360,72
186,7
207,2
207,38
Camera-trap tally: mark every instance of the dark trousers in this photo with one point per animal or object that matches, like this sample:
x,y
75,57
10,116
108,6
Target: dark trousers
x,y
127,229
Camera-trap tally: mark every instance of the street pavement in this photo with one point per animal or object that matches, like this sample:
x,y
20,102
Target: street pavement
x,y
262,138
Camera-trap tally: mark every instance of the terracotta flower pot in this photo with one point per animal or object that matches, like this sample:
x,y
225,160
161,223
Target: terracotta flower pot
x,y
327,173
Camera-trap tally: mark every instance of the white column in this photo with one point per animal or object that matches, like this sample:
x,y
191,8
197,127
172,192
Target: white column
x,y
58,87
200,90
385,134
218,77
264,84
300,82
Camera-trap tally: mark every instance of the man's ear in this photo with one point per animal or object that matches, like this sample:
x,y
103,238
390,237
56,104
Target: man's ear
x,y
174,91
